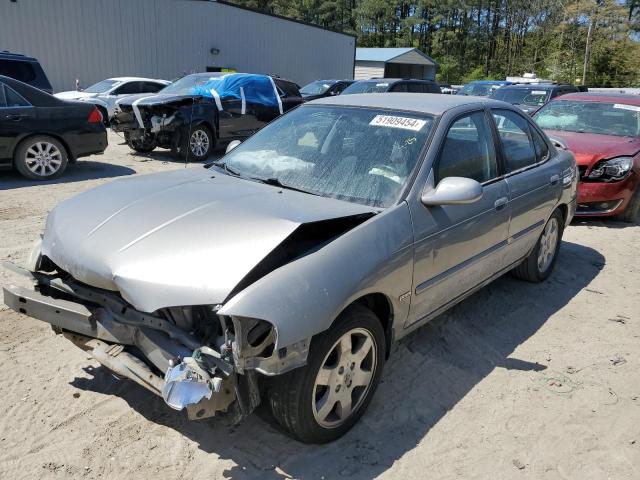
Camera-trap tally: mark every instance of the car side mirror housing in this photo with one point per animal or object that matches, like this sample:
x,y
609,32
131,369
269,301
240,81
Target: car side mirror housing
x,y
233,144
558,143
452,191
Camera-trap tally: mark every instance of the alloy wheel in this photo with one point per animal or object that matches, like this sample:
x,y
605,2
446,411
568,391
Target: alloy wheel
x,y
199,143
344,378
548,244
43,158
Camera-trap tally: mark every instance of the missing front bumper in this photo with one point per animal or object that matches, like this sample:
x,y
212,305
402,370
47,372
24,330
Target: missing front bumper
x,y
108,341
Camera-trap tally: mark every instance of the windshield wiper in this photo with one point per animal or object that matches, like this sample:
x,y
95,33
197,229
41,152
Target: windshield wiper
x,y
226,168
277,183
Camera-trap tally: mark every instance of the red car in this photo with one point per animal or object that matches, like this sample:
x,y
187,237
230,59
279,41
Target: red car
x,y
603,132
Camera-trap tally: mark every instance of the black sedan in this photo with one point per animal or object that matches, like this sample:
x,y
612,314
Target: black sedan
x,y
324,88
41,134
194,114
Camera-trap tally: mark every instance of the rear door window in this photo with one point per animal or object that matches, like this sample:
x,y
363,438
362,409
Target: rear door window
x,y
399,87
13,99
415,88
515,136
22,71
151,87
130,88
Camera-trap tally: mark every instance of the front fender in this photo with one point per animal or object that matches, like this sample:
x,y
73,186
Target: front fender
x,y
303,298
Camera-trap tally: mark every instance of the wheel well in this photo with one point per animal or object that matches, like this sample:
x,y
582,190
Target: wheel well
x,y
70,156
380,305
565,212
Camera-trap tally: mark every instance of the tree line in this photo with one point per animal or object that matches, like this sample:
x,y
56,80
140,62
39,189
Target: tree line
x,y
595,42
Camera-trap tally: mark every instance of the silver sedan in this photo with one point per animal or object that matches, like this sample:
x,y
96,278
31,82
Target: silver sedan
x,y
283,272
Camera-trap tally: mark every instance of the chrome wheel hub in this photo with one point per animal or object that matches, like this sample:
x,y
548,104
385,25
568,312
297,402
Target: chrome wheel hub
x,y
199,143
344,378
548,244
43,158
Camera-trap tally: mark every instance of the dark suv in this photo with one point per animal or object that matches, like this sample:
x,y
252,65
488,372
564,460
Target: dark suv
x,y
530,98
26,69
382,85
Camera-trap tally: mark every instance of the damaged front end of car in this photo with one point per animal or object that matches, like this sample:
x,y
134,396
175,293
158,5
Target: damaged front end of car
x,y
192,357
160,121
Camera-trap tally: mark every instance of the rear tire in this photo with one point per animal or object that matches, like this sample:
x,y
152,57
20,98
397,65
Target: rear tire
x,y
539,264
321,401
630,214
145,145
41,158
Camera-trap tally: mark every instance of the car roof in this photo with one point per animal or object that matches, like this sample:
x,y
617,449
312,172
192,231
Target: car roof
x,y
539,86
143,79
430,103
492,82
390,80
6,55
602,97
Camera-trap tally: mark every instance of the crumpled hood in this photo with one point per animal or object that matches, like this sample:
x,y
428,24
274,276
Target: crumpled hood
x,y
155,99
74,95
589,148
185,237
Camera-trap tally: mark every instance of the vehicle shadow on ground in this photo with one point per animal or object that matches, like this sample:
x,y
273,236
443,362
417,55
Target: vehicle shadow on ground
x,y
428,373
166,156
604,222
78,172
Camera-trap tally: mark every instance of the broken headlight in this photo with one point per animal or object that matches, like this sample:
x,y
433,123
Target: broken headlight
x,y
612,169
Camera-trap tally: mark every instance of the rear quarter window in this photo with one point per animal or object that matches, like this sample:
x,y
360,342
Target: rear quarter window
x,y
22,71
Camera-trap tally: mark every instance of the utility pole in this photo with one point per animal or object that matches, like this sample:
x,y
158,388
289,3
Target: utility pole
x,y
587,50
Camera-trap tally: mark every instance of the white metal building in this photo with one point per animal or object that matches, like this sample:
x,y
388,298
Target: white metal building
x,y
96,39
394,63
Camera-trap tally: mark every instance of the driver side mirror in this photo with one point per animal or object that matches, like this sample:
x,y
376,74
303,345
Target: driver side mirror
x,y
233,144
452,191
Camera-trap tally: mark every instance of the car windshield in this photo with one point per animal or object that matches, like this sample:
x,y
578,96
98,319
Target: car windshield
x,y
591,117
366,87
355,154
315,88
185,85
522,96
478,89
101,87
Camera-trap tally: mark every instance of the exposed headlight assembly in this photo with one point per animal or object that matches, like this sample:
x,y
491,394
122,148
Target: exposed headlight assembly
x,y
611,170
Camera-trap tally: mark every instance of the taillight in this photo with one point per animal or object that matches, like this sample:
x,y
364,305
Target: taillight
x,y
95,116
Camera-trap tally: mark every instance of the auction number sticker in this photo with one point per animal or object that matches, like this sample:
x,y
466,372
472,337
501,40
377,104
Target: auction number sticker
x,y
392,121
538,92
622,106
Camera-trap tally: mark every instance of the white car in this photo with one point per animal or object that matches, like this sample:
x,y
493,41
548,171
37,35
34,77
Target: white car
x,y
106,93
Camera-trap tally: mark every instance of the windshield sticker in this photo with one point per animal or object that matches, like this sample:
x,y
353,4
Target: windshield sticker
x,y
538,92
391,121
382,84
622,106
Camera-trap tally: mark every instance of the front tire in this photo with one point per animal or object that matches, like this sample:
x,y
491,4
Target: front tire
x,y
320,402
630,213
140,145
197,145
539,264
41,158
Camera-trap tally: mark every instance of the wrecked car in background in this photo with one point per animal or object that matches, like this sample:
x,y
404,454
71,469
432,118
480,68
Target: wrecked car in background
x,y
198,111
285,270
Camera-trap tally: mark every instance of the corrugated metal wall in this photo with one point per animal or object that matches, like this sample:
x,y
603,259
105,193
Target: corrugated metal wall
x,y
96,39
365,70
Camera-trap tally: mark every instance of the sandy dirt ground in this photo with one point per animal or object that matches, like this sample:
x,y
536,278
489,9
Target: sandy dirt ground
x,y
520,381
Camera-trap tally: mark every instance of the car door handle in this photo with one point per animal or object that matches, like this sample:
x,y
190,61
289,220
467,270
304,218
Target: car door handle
x,y
500,203
554,179
15,117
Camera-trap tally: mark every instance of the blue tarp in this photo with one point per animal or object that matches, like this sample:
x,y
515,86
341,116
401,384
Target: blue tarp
x,y
257,88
